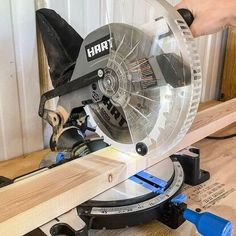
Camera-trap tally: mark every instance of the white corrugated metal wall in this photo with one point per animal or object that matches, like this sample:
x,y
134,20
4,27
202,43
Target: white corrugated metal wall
x,y
20,126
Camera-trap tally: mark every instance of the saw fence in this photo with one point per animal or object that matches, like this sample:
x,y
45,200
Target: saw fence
x,y
37,200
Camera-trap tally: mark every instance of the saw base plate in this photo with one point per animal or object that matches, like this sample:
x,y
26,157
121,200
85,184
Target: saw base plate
x,y
131,203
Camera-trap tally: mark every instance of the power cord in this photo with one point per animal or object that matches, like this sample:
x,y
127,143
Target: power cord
x,y
221,137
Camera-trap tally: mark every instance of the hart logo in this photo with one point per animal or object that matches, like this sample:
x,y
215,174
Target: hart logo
x,y
98,48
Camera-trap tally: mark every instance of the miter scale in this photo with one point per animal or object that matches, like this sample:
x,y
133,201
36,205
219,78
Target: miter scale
x,y
136,82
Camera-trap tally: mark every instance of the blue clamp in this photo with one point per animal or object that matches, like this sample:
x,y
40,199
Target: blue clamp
x,y
60,157
177,200
208,224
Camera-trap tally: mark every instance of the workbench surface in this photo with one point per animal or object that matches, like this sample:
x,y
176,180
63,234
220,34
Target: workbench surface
x,y
217,195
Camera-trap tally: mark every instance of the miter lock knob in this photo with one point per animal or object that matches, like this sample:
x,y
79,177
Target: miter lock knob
x,y
209,224
141,149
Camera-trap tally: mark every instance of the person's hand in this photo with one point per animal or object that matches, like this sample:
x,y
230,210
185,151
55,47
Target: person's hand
x,y
210,16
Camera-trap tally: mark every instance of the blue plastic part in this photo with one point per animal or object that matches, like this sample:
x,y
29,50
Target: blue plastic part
x,y
60,157
208,224
179,199
143,178
145,184
152,179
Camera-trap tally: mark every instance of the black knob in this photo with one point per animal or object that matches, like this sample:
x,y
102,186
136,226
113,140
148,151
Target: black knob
x,y
141,149
187,15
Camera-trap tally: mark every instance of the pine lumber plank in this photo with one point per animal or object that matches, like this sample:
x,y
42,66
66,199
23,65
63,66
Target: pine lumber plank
x,y
210,121
30,162
22,165
32,202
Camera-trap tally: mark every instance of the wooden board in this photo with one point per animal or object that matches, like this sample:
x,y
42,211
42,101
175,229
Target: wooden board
x,y
209,121
36,200
22,165
228,89
30,162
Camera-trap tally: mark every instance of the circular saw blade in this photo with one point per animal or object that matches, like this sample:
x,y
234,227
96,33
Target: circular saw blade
x,y
152,82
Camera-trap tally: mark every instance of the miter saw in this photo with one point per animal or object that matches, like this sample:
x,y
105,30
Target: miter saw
x,y
135,82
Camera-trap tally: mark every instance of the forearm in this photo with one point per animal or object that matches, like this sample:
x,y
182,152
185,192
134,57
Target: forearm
x,y
210,15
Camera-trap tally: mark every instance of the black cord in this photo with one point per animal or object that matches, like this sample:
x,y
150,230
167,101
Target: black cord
x,y
221,137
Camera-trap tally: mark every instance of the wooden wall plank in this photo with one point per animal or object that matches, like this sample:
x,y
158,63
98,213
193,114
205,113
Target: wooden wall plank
x,y
37,200
228,89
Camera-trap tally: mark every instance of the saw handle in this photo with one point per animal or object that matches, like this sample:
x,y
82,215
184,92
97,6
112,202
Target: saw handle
x,y
187,15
